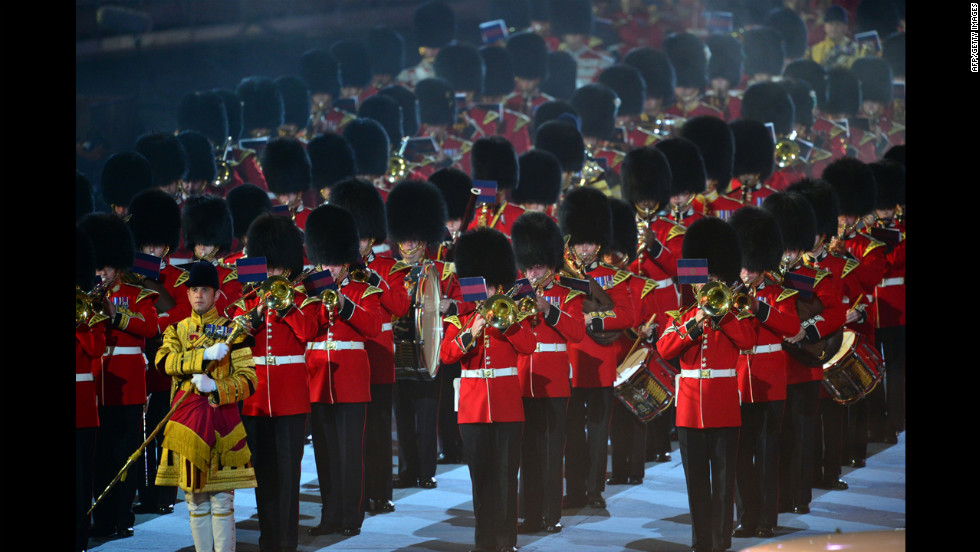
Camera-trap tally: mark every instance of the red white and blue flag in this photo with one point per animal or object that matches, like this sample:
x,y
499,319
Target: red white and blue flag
x,y
692,271
473,289
252,269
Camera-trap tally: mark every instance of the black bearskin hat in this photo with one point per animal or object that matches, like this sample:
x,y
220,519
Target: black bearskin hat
x,y
331,236
657,70
843,92
764,53
204,112
804,100
551,110
823,199
893,52
387,111
494,158
331,159
515,13
437,102
564,141
529,55
689,57
540,178
795,217
84,200
570,17
714,140
112,240
461,66
455,186
371,147
84,260
262,105
295,100
434,24
499,76
791,27
206,220
124,175
727,58
364,201
855,185
646,176
813,74
686,165
233,113
624,238
875,77
627,82
155,219
166,155
758,233
897,154
754,149
355,62
890,182
585,216
321,71
386,48
486,252
278,239
596,105
409,104
246,202
416,211
715,240
537,241
286,166
201,164
769,102
562,73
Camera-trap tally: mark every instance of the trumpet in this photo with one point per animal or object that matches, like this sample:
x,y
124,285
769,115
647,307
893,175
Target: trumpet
x,y
89,303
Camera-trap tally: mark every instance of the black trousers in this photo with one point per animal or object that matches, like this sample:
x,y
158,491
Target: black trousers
x,y
856,430
150,494
277,444
587,445
757,467
542,455
449,439
658,432
338,447
416,425
887,401
829,442
84,462
628,440
797,443
120,433
377,443
709,457
493,454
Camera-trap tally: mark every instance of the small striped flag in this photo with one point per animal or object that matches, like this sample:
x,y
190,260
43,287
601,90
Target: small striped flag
x,y
492,31
146,265
486,190
800,282
692,271
719,22
473,289
320,281
281,210
252,269
524,289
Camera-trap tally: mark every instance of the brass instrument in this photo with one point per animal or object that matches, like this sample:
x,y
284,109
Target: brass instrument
x,y
715,299
787,152
89,303
223,165
592,172
597,301
500,311
398,169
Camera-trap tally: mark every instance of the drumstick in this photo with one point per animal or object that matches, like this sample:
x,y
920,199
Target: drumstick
x,y
639,335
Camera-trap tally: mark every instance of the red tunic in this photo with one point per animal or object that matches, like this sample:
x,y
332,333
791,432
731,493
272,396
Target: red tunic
x,y
516,101
762,368
499,218
594,365
829,291
120,377
546,372
89,346
394,303
890,292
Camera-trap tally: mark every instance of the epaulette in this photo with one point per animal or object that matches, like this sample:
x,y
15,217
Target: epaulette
x,y
490,117
594,42
786,294
371,290
184,276
447,270
648,286
675,314
621,276
743,314
233,275
872,245
399,266
650,137
896,128
572,294
522,120
309,300
677,230
817,154
240,304
96,318
465,146
820,275
144,293
865,138
835,130
849,266
454,320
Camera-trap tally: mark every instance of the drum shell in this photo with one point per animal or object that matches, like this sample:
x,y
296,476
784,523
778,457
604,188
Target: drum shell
x,y
649,389
854,371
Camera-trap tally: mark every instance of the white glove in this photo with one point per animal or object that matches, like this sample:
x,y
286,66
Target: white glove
x,y
204,383
217,351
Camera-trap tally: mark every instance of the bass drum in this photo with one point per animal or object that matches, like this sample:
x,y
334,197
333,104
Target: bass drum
x,y
854,371
417,359
644,384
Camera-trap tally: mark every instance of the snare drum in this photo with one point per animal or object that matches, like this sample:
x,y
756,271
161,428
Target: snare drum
x,y
644,384
854,371
417,358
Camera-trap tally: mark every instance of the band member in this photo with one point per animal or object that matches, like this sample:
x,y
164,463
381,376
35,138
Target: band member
x,y
491,413
876,98
331,161
716,143
410,107
167,158
688,179
562,70
124,175
497,84
321,70
770,103
688,55
597,105
296,107
388,113
561,138
457,189
572,23
386,49
288,172
804,115
207,228
538,249
753,163
355,69
761,373
202,169
274,416
364,201
340,376
204,447
369,141
765,54
725,74
494,159
119,378
434,24
627,82
437,114
585,217
840,136
246,203
262,109
707,338
836,49
539,182
529,55
661,81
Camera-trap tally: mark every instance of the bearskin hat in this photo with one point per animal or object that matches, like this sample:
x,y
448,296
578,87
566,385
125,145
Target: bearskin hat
x,y
455,186
804,100
769,102
686,165
371,146
435,24
657,70
331,236
385,110
515,13
624,238
233,113
246,202
754,149
585,216
596,105
499,77
813,74
486,252
331,160
416,211
823,199
758,232
890,182
764,52
84,200
386,48
84,260
286,166
494,158
540,178
124,175
206,220
461,66
875,77
727,58
562,73
551,110
896,153
564,141
200,157
529,55
793,30
409,107
537,240
437,102
204,112
627,82
278,239
155,219
321,71
355,62
646,176
843,92
295,100
262,105
714,140
893,52
689,57
855,185
795,217
112,240
167,157
364,201
717,241
570,17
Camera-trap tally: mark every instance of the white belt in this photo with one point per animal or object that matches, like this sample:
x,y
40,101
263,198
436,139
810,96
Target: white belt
x,y
386,327
550,347
274,360
708,374
759,349
335,345
113,351
486,373
892,281
84,377
662,283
